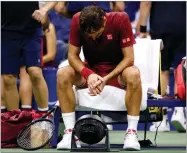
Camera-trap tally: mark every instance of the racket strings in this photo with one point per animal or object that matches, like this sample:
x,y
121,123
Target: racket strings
x,y
36,135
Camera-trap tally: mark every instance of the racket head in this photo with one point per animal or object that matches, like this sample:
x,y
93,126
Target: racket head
x,y
36,134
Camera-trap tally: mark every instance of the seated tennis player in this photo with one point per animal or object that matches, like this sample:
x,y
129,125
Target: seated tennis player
x,y
107,40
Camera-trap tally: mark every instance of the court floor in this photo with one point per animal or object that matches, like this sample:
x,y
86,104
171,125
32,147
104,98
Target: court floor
x,y
168,142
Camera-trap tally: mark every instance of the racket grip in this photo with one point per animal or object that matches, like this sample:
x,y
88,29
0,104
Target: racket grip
x,y
50,111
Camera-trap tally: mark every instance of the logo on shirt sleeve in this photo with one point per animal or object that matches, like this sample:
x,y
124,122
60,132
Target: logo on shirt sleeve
x,y
125,40
109,37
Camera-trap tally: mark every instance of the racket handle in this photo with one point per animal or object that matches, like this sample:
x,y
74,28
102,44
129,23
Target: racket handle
x,y
50,111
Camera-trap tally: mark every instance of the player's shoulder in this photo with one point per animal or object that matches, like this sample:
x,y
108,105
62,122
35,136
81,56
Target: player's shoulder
x,y
75,19
76,15
117,18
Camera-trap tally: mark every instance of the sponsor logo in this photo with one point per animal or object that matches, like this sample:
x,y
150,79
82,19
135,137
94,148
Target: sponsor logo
x,y
125,40
109,37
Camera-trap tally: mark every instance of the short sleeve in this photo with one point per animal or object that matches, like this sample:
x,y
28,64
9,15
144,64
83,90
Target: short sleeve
x,y
126,33
74,38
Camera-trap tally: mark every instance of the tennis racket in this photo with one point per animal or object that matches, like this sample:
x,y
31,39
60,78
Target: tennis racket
x,y
38,133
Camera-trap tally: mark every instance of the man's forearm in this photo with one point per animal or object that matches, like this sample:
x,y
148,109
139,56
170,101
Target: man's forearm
x,y
126,62
145,8
76,63
48,6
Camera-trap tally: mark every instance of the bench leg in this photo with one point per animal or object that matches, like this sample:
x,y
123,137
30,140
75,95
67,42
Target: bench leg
x,y
145,126
146,143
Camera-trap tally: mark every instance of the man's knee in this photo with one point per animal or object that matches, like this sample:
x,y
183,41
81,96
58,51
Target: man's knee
x,y
35,74
132,76
9,81
65,76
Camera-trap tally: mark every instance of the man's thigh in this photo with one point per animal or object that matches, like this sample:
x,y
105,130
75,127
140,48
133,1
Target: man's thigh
x,y
10,56
32,51
179,50
173,51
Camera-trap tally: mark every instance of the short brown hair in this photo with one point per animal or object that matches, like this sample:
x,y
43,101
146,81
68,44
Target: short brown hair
x,y
91,19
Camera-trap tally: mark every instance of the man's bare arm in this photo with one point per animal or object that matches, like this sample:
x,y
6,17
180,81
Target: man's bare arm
x,y
128,60
74,59
48,6
51,44
145,8
42,12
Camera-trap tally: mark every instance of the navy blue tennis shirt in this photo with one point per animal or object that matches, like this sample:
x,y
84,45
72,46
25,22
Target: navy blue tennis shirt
x,y
17,21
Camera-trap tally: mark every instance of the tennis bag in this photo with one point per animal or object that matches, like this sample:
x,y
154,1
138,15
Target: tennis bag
x,y
180,76
12,122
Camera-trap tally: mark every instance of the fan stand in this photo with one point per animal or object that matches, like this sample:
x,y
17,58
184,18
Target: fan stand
x,y
88,147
